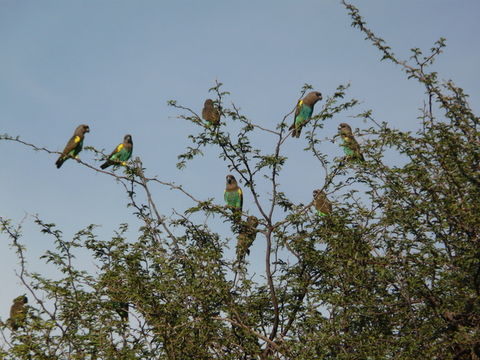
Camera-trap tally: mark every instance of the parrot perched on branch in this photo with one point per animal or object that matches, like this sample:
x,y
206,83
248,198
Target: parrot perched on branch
x,y
210,113
233,196
74,145
304,111
350,145
321,203
18,312
121,154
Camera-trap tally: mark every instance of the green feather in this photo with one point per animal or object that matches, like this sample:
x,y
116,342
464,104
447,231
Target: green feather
x,y
122,155
304,114
234,198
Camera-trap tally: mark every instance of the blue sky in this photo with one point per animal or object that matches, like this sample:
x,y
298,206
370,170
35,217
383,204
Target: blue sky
x,y
114,65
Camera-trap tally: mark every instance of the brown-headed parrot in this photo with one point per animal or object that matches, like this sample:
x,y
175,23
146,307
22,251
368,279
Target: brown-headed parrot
x,y
350,145
74,145
321,203
18,312
246,237
304,111
121,154
233,195
210,113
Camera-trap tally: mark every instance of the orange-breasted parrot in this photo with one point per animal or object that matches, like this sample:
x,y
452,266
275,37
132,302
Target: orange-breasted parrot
x,y
18,312
304,111
350,145
210,113
321,203
121,154
74,145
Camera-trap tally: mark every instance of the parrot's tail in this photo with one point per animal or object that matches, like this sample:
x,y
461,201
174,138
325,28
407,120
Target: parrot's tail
x,y
295,132
106,164
59,162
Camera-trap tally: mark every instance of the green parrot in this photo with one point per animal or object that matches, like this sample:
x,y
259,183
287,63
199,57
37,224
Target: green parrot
x,y
304,111
246,237
233,195
18,312
121,154
321,203
74,145
210,113
350,145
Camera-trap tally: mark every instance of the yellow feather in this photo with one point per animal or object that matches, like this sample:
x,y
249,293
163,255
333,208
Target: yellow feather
x,y
240,191
77,139
119,147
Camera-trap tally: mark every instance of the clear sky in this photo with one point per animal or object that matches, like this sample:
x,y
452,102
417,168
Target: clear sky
x,y
113,64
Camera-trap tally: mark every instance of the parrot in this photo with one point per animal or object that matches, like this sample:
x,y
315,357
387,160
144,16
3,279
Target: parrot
x,y
18,312
350,145
247,236
210,113
233,195
74,145
121,154
321,203
304,111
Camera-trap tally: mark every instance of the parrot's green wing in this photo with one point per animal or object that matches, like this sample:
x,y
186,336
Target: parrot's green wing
x,y
119,155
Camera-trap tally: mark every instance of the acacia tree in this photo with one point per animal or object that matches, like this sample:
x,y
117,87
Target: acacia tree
x,y
392,273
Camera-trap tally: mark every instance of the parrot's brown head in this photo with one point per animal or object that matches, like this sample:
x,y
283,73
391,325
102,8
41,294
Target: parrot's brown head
x,y
312,98
208,104
317,193
128,139
231,180
345,129
252,221
82,129
20,300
